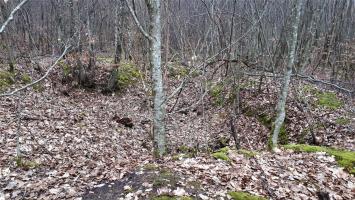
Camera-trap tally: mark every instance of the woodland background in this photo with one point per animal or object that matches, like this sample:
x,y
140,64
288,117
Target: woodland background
x,y
87,126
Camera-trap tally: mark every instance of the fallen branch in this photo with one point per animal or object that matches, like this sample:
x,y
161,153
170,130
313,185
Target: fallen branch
x,y
307,78
11,17
312,79
40,79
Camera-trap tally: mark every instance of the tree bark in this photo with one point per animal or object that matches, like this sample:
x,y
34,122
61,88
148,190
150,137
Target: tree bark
x,y
281,113
118,33
157,77
154,37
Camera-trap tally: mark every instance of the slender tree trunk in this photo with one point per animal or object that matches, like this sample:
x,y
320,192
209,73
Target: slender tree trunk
x,y
118,32
7,38
157,77
296,12
154,37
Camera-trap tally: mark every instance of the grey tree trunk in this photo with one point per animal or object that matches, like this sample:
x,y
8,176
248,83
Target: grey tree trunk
x,y
281,113
154,37
157,77
118,33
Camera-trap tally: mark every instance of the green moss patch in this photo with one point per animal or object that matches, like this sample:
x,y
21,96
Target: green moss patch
x,y
188,151
66,68
247,153
6,79
342,121
216,93
150,167
25,164
38,87
177,71
344,158
245,196
310,89
222,154
25,78
127,74
329,100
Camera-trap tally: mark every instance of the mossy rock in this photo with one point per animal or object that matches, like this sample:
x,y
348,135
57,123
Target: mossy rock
x,y
329,100
6,79
344,158
127,74
221,154
167,197
342,121
245,196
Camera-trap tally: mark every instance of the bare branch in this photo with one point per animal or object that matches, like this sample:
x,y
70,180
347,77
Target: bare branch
x,y
141,29
214,56
11,17
40,79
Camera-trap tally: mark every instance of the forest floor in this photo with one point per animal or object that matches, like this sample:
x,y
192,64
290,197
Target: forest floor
x,y
75,146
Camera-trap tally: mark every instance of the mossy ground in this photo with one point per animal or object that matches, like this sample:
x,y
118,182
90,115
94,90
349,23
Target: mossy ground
x,y
165,177
216,93
342,121
150,167
244,196
344,158
127,74
25,79
25,164
222,154
6,79
329,100
247,153
66,68
187,151
177,71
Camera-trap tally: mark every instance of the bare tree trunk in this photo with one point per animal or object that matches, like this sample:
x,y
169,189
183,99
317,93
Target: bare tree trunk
x,y
8,44
157,77
296,12
118,33
154,37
